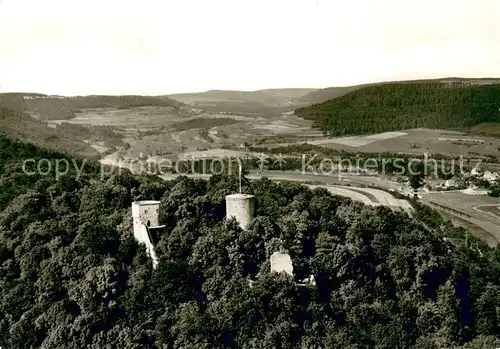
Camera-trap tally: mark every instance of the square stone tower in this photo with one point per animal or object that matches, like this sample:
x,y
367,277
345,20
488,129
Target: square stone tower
x,y
146,225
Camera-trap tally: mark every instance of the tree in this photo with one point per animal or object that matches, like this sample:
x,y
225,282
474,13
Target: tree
x,y
417,175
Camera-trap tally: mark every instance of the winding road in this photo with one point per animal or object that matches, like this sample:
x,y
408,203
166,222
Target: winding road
x,y
484,225
368,196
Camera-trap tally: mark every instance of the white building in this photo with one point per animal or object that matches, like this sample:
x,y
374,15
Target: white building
x,y
490,176
475,171
450,183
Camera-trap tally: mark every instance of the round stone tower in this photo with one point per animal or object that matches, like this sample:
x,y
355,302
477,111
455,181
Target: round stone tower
x,y
241,207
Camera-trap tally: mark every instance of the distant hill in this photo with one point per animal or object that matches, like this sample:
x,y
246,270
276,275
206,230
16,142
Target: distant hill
x,y
267,103
55,107
288,92
268,97
322,95
395,106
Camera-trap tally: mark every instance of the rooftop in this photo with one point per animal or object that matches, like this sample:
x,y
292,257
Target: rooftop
x,y
146,202
239,196
157,227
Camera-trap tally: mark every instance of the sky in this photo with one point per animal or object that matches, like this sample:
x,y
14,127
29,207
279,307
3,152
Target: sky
x,y
153,47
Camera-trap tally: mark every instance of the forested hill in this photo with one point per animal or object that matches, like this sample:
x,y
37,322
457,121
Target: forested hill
x,y
19,125
396,106
72,275
58,107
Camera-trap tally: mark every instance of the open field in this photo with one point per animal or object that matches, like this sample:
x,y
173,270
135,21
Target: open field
x,y
470,209
462,201
414,141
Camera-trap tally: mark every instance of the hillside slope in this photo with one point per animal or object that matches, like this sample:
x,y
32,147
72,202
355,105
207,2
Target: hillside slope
x,y
54,107
324,94
403,106
19,125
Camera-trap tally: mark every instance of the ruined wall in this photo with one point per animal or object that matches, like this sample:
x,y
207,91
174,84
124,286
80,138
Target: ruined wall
x,y
281,262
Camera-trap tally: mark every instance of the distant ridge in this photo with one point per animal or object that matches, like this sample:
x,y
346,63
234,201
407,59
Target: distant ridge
x,y
272,95
263,103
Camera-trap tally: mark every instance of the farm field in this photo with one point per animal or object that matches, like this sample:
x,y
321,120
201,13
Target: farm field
x,y
160,131
414,141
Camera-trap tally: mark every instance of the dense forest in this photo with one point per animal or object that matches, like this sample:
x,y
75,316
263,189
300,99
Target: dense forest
x,y
399,106
72,275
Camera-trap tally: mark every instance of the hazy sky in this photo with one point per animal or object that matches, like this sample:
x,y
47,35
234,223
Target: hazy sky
x,y
157,47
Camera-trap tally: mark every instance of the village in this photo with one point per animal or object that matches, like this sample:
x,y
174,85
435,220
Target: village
x,y
475,182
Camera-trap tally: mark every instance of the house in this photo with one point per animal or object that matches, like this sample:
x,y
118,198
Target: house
x,y
450,183
490,176
476,171
472,186
454,182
